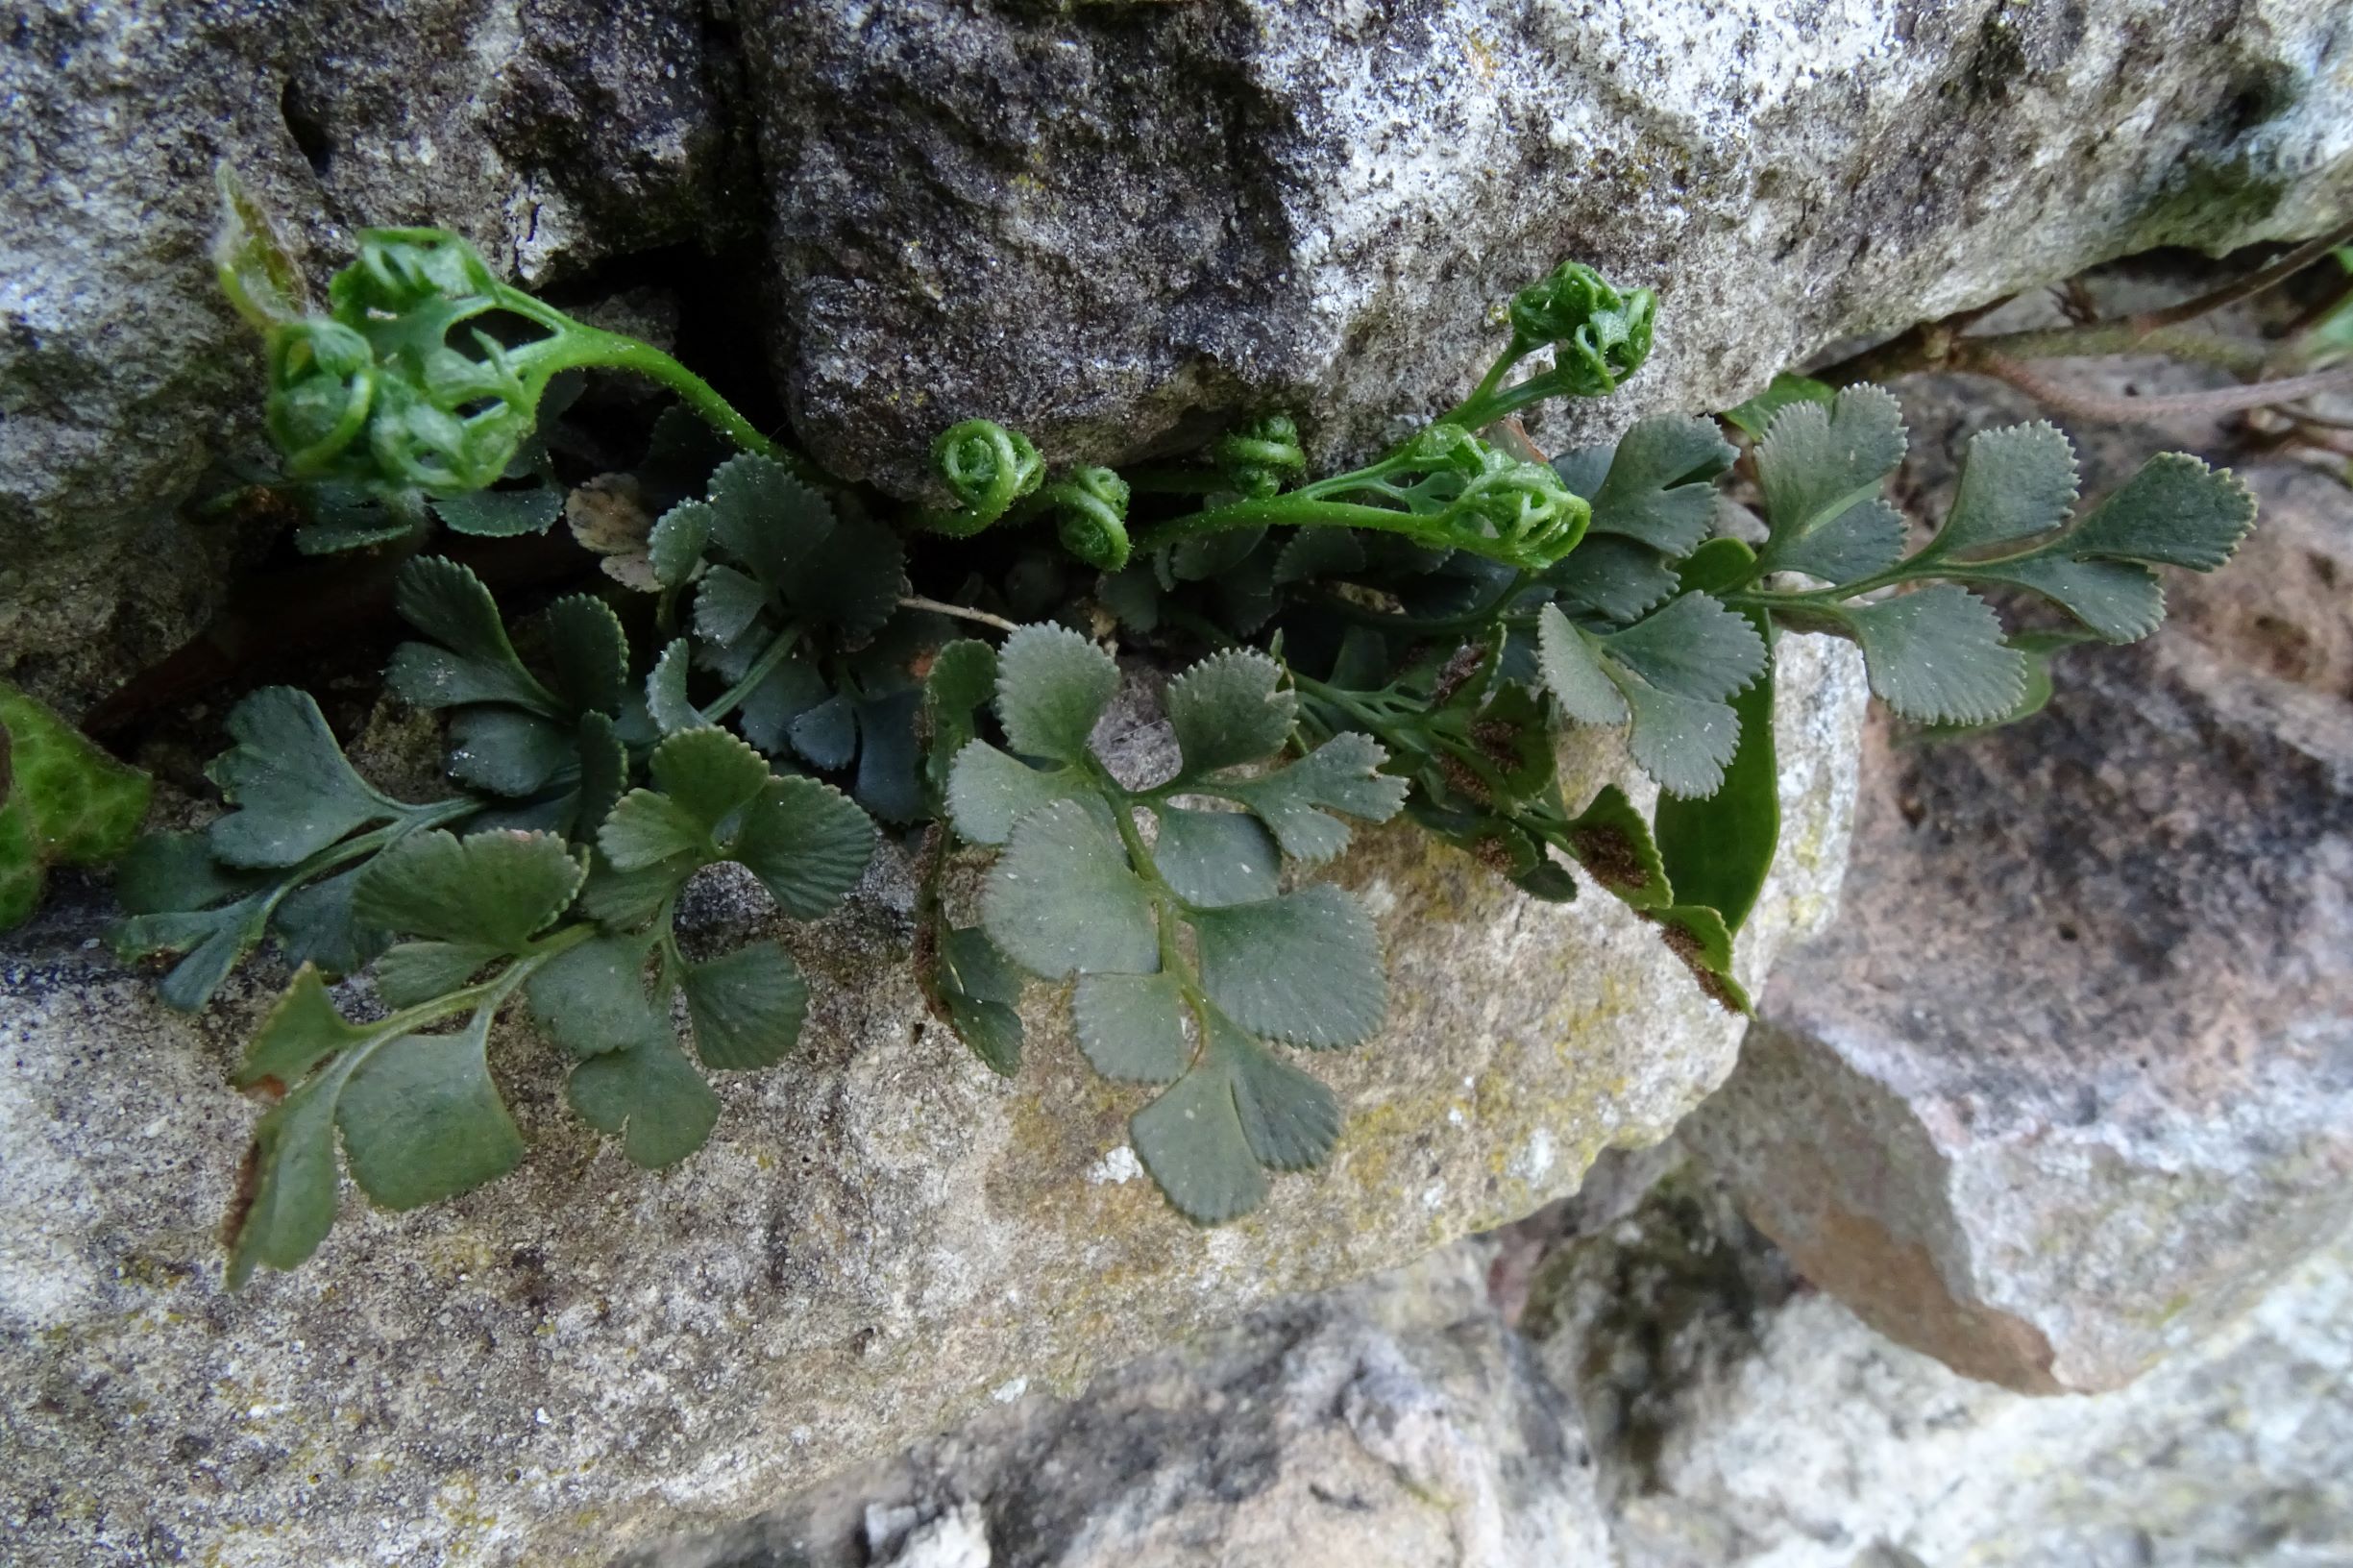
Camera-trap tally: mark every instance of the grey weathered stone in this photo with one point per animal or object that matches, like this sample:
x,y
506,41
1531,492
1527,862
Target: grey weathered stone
x,y
1110,224
551,133
1675,1397
1113,224
1738,1420
879,1234
1395,1423
2072,1081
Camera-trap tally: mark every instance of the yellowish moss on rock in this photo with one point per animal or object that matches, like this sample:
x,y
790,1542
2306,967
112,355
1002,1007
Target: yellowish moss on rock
x,y
882,1235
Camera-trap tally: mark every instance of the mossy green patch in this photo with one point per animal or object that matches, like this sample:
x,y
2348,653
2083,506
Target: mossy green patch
x,y
2209,207
62,801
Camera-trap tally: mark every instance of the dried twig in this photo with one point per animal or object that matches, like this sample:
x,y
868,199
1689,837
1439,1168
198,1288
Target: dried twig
x,y
2228,399
2246,288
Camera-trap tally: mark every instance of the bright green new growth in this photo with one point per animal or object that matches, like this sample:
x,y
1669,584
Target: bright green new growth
x,y
1188,956
1598,336
62,802
1445,489
994,472
401,389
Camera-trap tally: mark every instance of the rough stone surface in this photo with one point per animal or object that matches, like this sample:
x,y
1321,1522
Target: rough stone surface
x,y
1114,225
1674,1397
550,132
879,1234
1765,1426
1395,1422
2074,1080
1108,223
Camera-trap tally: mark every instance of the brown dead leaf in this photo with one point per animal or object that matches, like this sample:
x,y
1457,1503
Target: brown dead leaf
x,y
608,515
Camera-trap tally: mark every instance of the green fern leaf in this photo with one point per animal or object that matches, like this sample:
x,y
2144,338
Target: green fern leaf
x,y
1817,461
496,888
1053,686
1132,1026
747,1006
1660,489
1062,900
1304,968
1230,709
1937,656
650,1094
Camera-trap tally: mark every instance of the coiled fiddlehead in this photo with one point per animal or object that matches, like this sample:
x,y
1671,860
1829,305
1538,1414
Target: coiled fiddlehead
x,y
1092,503
376,392
395,387
1518,513
987,468
993,471
1258,458
1445,448
322,391
1599,336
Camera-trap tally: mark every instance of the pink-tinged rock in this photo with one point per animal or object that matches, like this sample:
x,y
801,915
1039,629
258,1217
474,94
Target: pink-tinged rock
x,y
2071,1082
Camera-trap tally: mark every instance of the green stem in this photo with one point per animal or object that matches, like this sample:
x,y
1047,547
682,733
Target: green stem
x,y
1371,719
415,820
1771,599
591,346
1482,409
574,345
761,669
1460,414
1299,508
1168,909
1932,559
1308,506
491,993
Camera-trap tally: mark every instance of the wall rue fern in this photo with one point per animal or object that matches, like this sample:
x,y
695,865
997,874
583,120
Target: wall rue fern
x,y
757,680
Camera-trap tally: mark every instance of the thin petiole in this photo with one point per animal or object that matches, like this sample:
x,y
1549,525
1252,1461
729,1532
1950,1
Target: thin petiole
x,y
761,669
964,612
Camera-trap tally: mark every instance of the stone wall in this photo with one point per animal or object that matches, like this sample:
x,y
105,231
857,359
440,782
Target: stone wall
x,y
1113,224
1672,1397
2018,1236
1118,225
2072,1083
881,1236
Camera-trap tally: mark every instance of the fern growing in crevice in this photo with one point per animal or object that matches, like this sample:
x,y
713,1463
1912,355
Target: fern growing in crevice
x,y
563,889
1186,954
758,682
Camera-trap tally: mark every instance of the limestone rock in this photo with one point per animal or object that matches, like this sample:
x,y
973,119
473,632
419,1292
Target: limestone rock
x,y
550,134
1114,225
1110,224
1765,1426
879,1236
1675,1397
2072,1081
1390,1424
